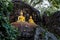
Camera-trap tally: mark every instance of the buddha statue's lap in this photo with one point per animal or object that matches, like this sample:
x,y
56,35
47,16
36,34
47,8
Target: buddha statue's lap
x,y
21,19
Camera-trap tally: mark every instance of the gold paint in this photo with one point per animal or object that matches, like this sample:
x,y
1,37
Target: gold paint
x,y
31,20
21,18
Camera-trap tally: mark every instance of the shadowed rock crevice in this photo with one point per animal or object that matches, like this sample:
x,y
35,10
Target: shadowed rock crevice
x,y
52,22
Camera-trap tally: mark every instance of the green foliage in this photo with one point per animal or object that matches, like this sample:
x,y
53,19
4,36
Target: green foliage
x,y
32,2
55,6
7,31
55,3
50,11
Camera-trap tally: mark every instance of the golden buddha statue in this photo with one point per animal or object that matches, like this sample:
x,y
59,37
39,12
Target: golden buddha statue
x,y
21,18
31,20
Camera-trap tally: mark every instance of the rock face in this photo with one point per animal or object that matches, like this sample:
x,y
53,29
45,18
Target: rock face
x,y
52,22
42,34
25,30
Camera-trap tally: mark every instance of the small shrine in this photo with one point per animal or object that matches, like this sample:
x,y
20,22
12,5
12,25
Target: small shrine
x,y
21,18
25,18
27,12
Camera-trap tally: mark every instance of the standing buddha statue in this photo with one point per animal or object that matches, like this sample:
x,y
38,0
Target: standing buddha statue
x,y
21,18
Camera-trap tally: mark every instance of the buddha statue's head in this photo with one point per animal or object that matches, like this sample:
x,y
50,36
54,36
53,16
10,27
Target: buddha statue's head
x,y
30,17
21,13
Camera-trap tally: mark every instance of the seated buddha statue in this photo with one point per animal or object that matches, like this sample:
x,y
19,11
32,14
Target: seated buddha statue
x,y
31,20
21,18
